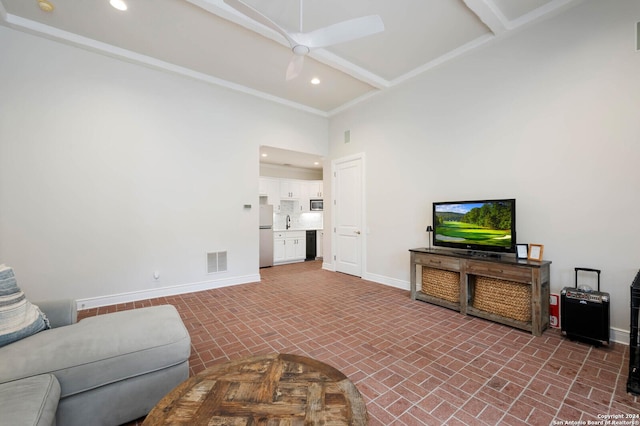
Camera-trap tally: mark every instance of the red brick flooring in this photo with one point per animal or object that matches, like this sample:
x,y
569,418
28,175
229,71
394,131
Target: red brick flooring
x,y
414,363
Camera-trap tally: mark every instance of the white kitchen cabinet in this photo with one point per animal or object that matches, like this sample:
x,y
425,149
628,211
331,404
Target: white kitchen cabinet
x,y
290,249
290,189
289,246
314,189
271,188
278,249
300,191
300,248
262,186
304,199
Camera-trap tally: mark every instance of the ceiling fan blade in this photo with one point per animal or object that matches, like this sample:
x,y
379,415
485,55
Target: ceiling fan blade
x,y
252,13
295,67
342,31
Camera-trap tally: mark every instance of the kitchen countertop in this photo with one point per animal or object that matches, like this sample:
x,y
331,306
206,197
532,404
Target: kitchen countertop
x,y
291,229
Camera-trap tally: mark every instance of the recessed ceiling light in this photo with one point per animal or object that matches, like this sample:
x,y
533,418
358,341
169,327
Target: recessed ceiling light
x,y
118,4
264,155
315,81
45,5
316,163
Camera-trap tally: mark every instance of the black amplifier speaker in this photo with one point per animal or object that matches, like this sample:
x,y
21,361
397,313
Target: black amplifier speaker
x,y
584,313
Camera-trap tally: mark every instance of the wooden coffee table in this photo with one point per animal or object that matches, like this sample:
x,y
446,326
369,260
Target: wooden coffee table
x,y
276,389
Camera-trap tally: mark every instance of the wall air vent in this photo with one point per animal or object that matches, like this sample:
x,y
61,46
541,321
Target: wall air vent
x,y
216,262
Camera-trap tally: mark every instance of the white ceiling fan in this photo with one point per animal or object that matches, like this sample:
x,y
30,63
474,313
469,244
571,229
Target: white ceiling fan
x,y
302,43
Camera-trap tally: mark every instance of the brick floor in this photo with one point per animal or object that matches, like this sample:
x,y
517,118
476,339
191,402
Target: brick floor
x,y
414,363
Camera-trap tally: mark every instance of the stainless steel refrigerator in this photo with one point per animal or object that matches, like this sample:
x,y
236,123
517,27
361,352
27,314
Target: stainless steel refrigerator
x,y
266,235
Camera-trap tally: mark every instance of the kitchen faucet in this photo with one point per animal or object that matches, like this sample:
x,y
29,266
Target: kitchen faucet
x,y
288,225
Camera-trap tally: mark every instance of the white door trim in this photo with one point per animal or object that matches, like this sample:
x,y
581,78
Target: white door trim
x,y
363,240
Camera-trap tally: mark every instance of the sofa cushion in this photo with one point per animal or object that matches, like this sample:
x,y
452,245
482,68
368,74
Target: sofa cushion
x,y
59,312
101,350
19,318
31,402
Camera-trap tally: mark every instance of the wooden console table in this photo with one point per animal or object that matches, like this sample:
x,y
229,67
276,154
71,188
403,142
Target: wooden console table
x,y
471,274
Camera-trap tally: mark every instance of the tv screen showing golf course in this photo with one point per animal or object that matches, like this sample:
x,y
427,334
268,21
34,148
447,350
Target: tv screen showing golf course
x,y
476,225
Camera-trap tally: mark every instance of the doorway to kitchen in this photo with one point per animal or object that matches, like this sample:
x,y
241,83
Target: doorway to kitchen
x,y
291,186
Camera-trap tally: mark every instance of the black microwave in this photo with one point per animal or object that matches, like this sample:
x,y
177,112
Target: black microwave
x,y
316,205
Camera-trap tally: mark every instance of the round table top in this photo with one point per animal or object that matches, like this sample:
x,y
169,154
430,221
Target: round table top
x,y
275,389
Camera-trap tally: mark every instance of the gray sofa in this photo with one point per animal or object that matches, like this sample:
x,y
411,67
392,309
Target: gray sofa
x,y
104,370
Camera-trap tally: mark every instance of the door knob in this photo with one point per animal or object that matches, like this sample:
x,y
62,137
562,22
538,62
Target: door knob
x,y
357,232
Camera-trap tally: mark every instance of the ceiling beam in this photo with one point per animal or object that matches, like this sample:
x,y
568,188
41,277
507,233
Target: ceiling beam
x,y
92,45
218,7
494,19
490,15
549,9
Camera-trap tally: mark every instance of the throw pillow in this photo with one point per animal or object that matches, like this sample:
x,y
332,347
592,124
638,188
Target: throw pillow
x,y
19,318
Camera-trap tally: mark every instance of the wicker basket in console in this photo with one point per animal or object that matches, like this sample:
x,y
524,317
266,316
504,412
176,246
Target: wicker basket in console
x,y
441,284
505,298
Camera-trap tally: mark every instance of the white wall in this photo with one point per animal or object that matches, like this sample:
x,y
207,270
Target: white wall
x,y
110,171
550,116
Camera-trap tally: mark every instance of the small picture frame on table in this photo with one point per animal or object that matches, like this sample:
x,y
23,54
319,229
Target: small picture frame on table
x,y
535,252
522,251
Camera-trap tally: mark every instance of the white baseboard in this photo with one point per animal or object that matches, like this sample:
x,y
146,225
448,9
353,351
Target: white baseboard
x,y
391,282
619,336
328,266
615,334
114,299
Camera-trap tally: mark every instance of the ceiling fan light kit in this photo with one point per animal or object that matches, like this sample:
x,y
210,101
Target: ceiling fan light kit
x,y
300,50
302,43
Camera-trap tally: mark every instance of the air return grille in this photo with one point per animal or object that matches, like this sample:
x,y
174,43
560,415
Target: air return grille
x,y
216,262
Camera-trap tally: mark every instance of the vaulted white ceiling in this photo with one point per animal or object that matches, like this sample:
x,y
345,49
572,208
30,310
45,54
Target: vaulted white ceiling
x,y
207,40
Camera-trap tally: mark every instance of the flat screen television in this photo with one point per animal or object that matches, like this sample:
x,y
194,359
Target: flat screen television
x,y
485,225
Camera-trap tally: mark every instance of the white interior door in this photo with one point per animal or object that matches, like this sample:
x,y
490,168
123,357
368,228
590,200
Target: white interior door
x,y
348,218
